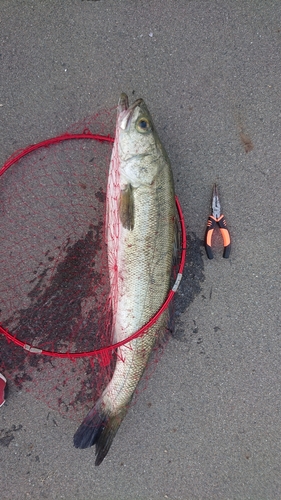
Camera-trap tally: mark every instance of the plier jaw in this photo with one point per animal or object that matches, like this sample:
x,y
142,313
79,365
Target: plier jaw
x,y
217,219
215,205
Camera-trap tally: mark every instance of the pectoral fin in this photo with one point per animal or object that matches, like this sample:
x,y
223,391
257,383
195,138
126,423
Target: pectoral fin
x,y
126,208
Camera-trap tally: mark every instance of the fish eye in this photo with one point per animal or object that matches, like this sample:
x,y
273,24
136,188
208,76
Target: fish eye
x,y
143,125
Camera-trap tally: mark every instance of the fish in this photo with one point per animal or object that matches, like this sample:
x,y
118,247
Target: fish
x,y
140,236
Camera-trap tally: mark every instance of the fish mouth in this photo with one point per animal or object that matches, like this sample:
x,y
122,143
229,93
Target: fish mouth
x,y
123,106
123,102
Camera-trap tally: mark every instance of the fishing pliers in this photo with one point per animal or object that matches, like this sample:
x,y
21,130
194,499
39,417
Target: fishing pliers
x,y
216,219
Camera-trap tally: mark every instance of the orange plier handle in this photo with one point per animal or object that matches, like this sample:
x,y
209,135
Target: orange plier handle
x,y
211,224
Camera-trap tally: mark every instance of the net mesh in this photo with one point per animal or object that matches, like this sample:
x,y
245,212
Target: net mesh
x,y
54,285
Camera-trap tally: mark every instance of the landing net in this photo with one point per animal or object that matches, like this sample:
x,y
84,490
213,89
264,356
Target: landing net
x,y
55,318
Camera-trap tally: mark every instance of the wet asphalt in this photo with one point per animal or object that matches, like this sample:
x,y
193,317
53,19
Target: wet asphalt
x,y
207,426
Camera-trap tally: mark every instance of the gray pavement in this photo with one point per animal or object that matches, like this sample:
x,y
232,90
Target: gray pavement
x,y
208,424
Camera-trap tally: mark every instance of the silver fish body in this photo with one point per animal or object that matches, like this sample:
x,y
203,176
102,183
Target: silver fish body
x,y
140,219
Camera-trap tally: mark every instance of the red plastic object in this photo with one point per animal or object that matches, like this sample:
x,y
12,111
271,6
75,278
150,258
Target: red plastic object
x,y
3,383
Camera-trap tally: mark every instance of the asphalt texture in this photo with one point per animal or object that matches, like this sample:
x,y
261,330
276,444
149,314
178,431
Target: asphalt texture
x,y
207,426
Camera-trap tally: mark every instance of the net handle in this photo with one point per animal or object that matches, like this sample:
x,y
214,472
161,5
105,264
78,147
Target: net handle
x,y
105,352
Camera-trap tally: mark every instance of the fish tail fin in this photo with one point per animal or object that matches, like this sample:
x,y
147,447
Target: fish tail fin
x,y
106,437
89,431
98,428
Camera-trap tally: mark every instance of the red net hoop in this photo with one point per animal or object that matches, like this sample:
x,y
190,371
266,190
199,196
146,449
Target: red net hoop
x,y
103,353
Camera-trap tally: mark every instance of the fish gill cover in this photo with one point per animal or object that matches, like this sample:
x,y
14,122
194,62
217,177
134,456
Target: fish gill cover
x,y
54,285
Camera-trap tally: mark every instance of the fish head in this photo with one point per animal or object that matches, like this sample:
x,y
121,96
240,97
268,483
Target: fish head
x,y
139,147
